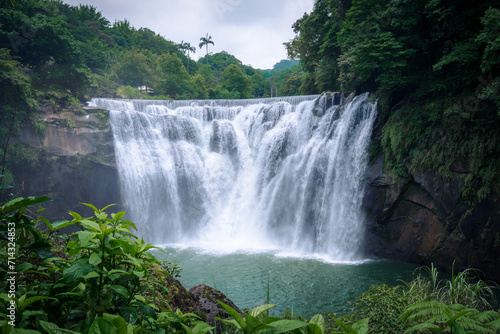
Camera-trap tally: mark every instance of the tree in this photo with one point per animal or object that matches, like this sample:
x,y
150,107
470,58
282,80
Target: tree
x,y
234,80
133,68
174,79
292,84
205,41
186,47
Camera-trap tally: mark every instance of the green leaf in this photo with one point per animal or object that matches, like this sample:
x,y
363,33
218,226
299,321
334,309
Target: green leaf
x,y
77,271
24,302
47,223
75,215
94,259
231,322
52,328
44,255
139,274
234,314
256,311
126,246
20,202
133,261
121,290
458,329
92,274
314,329
107,206
102,326
202,328
117,216
121,325
62,224
90,206
129,313
425,326
345,327
129,223
84,237
91,225
23,267
318,321
362,326
101,215
282,326
252,323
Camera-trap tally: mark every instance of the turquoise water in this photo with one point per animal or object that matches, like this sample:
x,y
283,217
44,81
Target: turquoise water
x,y
308,286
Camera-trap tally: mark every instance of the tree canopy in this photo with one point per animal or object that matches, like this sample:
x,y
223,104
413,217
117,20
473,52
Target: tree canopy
x,y
434,65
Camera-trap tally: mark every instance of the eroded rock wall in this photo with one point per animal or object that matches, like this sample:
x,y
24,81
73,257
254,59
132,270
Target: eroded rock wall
x,y
424,220
75,163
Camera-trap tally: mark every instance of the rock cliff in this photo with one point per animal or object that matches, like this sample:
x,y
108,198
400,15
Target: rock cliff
x,y
73,162
424,220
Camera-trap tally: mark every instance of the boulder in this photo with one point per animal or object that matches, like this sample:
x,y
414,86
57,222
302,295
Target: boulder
x,y
206,299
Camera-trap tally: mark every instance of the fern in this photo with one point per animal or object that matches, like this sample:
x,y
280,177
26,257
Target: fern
x,y
455,318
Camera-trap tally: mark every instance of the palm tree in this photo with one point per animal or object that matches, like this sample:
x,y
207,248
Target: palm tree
x,y
205,41
186,47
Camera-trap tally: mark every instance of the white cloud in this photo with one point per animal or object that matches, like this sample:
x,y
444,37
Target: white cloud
x,y
251,30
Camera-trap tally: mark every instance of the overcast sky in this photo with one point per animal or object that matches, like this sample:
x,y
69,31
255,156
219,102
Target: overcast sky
x,y
251,30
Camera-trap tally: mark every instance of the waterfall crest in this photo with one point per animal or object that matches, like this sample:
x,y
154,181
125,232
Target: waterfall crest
x,y
279,173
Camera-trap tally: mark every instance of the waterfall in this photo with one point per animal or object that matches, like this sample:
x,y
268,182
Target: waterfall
x,y
281,174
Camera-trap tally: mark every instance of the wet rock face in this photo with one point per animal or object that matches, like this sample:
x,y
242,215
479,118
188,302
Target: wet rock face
x,y
423,220
75,163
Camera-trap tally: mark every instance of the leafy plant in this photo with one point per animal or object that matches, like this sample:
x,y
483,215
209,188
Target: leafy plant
x,y
254,322
172,268
98,285
462,288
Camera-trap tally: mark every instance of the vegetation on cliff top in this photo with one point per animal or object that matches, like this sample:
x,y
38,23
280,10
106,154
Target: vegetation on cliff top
x,y
435,67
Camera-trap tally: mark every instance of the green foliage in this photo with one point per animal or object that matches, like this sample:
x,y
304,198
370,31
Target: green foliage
x,y
463,288
128,92
284,64
253,322
292,84
205,41
100,284
173,269
382,305
133,68
234,80
433,64
452,318
360,327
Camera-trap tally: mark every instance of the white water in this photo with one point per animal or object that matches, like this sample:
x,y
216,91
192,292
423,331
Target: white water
x,y
251,175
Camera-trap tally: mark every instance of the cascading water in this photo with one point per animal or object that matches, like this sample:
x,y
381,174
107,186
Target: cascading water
x,y
280,173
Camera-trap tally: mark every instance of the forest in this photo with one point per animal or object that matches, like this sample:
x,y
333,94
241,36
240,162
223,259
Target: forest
x,y
52,52
434,67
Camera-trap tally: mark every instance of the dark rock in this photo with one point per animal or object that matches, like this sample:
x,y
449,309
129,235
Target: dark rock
x,y
205,297
178,297
75,163
423,220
